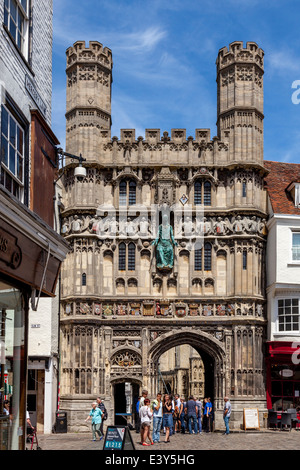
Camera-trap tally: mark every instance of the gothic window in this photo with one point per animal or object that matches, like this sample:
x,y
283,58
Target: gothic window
x,y
244,189
83,279
127,256
123,193
207,257
198,260
132,193
198,192
122,257
127,193
207,193
131,257
203,258
202,193
244,260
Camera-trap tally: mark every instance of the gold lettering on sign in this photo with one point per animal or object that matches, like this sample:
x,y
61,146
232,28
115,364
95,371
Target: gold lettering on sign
x,y
10,252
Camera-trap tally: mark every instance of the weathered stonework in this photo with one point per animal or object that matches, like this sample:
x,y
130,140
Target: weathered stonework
x,y
116,323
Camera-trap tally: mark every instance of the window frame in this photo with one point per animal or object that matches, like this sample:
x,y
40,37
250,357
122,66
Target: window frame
x,y
16,114
202,195
127,197
285,331
15,33
204,258
295,260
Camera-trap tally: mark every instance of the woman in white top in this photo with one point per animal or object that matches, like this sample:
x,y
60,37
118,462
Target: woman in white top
x,y
145,417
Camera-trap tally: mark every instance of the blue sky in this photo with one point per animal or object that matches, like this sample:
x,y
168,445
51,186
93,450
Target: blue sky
x,y
164,54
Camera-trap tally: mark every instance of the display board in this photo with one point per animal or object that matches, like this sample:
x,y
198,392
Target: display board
x,y
118,438
251,418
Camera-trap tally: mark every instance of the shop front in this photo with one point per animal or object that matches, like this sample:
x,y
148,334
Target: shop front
x,y
283,375
31,254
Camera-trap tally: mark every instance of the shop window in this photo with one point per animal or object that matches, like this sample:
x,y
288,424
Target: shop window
x,y
296,247
17,23
285,386
12,367
288,315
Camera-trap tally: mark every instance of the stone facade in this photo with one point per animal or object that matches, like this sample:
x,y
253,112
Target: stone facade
x,y
119,312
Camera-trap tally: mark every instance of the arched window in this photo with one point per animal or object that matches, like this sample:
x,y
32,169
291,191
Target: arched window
x,y
207,257
198,192
202,193
122,257
207,194
244,260
198,259
132,193
127,192
131,257
83,279
123,193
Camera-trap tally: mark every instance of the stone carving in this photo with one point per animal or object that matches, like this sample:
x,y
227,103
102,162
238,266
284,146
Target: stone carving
x,y
164,244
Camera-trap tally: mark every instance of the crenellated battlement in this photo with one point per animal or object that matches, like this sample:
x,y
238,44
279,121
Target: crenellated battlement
x,y
94,54
154,136
237,53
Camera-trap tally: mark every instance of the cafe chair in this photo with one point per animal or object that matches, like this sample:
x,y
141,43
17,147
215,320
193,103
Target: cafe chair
x,y
293,413
286,420
273,419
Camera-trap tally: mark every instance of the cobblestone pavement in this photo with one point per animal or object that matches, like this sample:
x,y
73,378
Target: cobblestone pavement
x,y
257,440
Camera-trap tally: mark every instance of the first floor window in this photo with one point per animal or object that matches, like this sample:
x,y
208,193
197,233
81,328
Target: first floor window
x,y
288,315
12,154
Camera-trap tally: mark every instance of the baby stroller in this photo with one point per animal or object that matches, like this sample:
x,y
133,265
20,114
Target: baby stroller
x,y
32,438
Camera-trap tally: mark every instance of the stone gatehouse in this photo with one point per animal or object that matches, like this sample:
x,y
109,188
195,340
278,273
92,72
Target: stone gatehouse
x,y
129,291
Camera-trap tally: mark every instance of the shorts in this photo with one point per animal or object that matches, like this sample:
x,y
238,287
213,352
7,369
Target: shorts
x,y
145,424
168,420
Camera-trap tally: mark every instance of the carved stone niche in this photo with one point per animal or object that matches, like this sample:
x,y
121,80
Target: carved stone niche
x,y
165,193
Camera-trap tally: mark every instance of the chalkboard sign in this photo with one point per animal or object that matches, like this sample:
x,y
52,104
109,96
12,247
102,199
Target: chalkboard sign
x,y
251,418
118,438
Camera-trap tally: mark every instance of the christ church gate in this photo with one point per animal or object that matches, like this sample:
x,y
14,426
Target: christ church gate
x,y
167,245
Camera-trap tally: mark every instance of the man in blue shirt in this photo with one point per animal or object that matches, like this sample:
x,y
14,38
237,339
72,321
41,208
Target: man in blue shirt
x,y
191,411
207,415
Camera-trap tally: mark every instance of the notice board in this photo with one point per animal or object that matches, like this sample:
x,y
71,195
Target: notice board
x,y
118,438
251,418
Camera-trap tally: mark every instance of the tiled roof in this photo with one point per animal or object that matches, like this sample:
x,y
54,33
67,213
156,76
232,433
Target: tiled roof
x,y
280,176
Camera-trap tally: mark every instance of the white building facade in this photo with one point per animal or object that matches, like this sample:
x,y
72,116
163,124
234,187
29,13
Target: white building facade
x,y
283,286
